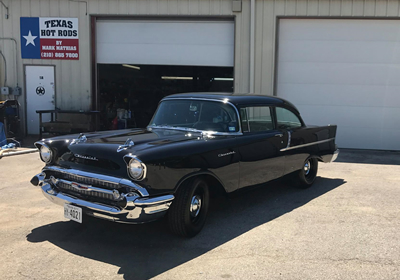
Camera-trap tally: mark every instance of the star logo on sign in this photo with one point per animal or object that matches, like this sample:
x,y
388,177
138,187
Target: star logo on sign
x,y
30,39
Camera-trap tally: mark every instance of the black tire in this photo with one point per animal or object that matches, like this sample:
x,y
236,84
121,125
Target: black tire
x,y
308,173
184,217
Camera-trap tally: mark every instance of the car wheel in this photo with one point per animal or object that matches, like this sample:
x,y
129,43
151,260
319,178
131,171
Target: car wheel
x,y
308,173
188,212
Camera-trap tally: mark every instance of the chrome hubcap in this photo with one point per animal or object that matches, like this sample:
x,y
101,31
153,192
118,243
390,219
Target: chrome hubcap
x,y
195,206
307,168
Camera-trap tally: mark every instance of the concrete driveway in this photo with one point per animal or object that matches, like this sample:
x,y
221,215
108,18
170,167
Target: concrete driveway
x,y
347,226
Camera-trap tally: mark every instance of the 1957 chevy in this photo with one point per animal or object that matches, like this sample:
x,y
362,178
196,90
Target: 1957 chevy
x,y
195,144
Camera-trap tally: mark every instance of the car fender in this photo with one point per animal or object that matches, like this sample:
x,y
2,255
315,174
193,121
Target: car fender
x,y
198,173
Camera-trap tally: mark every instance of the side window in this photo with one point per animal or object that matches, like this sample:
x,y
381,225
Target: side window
x,y
286,119
256,119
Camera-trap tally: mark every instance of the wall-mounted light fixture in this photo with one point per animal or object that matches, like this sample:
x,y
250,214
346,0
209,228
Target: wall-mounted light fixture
x,y
80,1
236,5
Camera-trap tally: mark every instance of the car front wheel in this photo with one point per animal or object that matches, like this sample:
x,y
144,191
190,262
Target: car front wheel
x,y
188,211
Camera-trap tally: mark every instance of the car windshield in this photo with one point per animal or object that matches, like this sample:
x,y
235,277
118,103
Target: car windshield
x,y
196,115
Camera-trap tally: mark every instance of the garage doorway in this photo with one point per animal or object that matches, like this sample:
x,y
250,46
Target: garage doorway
x,y
136,89
140,61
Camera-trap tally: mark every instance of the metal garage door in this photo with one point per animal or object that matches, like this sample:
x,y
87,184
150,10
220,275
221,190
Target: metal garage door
x,y
168,42
344,72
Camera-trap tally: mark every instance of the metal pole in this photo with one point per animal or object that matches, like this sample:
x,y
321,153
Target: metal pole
x,y
252,43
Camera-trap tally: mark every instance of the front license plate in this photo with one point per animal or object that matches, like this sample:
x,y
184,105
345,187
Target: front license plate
x,y
73,213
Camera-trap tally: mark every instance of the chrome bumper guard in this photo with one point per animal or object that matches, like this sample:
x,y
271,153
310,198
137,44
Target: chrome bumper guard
x,y
335,155
137,209
327,158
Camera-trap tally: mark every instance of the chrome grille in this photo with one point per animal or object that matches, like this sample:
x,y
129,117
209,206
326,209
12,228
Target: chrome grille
x,y
101,181
68,188
90,181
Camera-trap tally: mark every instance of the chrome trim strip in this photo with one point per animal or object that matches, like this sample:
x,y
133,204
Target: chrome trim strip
x,y
38,144
109,179
215,100
289,140
153,200
128,158
306,145
203,132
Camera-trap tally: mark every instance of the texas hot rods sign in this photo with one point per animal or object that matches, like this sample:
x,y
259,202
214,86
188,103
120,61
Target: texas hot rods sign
x,y
49,38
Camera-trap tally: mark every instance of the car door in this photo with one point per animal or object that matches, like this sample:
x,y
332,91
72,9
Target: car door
x,y
292,127
259,148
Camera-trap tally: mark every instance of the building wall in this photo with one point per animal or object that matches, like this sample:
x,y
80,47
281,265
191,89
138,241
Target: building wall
x,y
268,10
73,78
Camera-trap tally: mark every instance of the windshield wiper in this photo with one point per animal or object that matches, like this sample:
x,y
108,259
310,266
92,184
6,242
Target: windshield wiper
x,y
175,128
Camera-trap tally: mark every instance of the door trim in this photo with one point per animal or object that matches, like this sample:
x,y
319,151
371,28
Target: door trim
x,y
306,145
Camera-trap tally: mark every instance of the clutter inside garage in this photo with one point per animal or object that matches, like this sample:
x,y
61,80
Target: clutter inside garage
x,y
129,94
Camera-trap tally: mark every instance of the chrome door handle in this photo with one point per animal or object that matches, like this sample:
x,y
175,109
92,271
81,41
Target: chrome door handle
x,y
279,135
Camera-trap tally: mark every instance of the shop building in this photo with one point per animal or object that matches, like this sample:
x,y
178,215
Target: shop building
x,y
337,61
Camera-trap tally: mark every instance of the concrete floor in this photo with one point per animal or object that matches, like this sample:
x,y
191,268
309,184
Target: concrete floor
x,y
345,227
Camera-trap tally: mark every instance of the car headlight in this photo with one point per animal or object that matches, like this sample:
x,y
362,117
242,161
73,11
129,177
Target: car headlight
x,y
46,154
136,169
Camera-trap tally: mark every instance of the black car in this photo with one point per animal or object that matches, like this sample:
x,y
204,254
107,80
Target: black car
x,y
195,143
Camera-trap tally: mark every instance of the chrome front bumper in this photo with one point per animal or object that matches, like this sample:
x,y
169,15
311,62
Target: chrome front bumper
x,y
137,209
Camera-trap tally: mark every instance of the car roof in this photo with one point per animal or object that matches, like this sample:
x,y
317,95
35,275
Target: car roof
x,y
238,99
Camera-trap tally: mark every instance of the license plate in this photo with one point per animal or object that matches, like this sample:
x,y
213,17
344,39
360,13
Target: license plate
x,y
73,213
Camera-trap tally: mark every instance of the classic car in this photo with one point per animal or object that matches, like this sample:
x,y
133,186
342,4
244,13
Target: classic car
x,y
195,144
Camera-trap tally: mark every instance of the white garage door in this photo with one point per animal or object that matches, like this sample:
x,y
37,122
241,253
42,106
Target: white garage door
x,y
194,43
344,72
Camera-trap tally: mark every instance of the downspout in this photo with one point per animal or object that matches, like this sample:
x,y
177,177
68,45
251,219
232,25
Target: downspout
x,y
5,68
252,43
7,14
16,55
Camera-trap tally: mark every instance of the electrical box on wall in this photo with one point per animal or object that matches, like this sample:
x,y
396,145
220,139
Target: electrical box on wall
x,y
13,91
236,6
5,90
16,91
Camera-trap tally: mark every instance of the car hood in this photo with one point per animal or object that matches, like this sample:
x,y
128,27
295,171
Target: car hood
x,y
139,137
116,138
104,151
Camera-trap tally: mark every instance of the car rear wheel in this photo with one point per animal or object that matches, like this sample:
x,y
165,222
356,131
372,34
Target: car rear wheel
x,y
188,211
308,173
